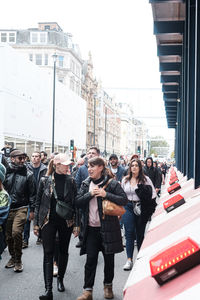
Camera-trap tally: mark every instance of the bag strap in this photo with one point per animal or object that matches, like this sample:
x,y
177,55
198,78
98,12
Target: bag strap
x,y
107,183
54,189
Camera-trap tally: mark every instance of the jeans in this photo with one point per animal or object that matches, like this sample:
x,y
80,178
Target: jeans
x,y
93,246
134,229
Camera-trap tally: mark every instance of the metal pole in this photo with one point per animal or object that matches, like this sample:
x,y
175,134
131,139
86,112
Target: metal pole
x,y
54,93
94,119
105,130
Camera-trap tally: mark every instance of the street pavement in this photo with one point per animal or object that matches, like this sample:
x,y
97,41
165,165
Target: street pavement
x,y
29,284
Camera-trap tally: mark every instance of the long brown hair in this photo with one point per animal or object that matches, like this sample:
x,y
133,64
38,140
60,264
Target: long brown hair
x,y
51,168
141,177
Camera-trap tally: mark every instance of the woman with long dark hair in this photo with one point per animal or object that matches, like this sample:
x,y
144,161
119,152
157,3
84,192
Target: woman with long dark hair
x,y
55,186
141,196
100,232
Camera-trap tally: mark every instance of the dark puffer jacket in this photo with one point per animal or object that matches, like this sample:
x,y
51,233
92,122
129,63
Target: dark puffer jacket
x,y
20,185
43,200
110,227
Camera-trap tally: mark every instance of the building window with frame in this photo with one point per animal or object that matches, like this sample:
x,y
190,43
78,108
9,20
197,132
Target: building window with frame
x,y
12,37
31,57
72,66
38,59
46,57
61,61
3,37
34,37
43,37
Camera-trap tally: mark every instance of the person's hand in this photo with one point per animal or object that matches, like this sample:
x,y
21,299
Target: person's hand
x,y
76,231
36,230
31,216
157,190
100,192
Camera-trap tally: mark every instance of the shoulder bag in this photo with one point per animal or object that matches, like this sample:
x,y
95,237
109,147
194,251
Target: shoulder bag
x,y
110,208
63,209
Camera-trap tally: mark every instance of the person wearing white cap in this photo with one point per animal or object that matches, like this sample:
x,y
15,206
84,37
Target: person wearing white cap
x,y
56,187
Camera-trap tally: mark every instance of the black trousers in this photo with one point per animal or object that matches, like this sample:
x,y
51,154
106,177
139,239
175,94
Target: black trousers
x,y
48,238
93,246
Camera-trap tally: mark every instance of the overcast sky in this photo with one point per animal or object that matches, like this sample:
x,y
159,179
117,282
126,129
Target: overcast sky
x,y
119,34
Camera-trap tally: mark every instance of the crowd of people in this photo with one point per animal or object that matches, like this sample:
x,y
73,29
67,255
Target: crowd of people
x,y
64,197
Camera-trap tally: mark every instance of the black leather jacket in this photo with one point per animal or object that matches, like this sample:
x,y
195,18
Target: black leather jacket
x,y
43,200
110,228
20,185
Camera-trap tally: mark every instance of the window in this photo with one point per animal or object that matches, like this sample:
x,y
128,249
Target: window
x,y
12,37
34,37
3,37
43,37
60,60
38,37
46,59
38,59
60,79
47,27
31,57
72,66
72,83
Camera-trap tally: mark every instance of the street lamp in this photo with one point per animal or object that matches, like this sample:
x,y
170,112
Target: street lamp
x,y
94,119
54,93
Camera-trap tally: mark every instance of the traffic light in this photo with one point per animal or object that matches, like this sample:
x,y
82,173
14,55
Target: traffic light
x,y
71,145
138,149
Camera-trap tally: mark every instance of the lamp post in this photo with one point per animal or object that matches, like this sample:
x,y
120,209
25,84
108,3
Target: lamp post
x,y
54,93
94,119
105,152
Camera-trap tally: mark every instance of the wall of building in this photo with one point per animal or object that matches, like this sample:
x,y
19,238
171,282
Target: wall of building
x,y
26,96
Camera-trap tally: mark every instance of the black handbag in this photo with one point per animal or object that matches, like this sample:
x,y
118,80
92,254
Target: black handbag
x,y
63,209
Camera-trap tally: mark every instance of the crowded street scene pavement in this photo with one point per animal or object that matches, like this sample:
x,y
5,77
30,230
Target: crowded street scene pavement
x,y
29,283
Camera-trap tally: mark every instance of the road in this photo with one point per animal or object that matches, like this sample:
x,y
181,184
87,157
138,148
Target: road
x,y
29,284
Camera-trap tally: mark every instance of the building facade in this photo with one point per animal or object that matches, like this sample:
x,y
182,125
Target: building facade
x,y
40,44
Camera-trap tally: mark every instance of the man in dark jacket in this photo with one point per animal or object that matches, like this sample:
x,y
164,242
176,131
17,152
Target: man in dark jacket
x,y
152,173
39,170
115,168
20,185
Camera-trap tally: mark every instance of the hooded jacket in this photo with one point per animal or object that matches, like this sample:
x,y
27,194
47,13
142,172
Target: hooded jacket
x,y
152,173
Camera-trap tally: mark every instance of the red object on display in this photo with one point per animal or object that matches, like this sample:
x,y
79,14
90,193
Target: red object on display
x,y
173,188
174,180
173,202
174,260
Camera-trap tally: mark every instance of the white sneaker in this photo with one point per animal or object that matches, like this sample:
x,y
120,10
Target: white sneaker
x,y
128,265
55,270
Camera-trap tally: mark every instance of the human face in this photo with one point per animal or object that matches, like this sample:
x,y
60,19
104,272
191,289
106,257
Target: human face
x,y
95,171
19,160
62,169
114,162
149,163
135,168
92,153
35,158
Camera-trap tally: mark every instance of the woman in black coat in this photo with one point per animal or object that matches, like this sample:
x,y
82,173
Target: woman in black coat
x,y
57,184
101,232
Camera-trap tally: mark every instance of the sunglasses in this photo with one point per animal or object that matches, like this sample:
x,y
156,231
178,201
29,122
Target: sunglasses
x,y
21,158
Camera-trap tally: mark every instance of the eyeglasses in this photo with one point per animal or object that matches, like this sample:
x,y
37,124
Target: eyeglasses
x,y
21,157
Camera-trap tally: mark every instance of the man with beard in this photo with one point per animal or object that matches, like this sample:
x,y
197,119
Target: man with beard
x,y
20,185
115,168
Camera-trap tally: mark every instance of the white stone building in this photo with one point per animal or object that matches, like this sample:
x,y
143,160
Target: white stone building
x,y
26,97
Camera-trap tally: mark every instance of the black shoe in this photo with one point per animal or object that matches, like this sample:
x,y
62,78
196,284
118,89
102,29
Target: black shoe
x,y
47,296
79,244
60,285
24,244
